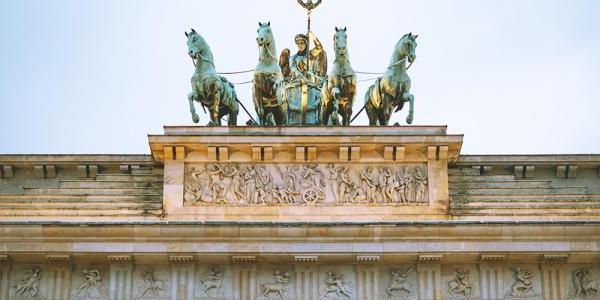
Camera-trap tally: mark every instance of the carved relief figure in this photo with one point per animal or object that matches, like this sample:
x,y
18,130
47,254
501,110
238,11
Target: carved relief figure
x,y
301,184
523,284
369,184
461,285
337,285
92,287
152,285
400,287
213,281
279,287
584,284
29,284
420,184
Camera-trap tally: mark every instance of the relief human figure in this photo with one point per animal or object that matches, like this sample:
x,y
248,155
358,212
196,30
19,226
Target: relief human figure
x,y
333,172
420,185
461,285
400,284
390,185
152,284
369,185
584,284
279,287
249,179
214,280
344,184
92,286
29,284
336,284
197,186
522,284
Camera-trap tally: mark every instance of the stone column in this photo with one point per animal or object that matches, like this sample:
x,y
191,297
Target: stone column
x,y
307,277
120,274
429,277
553,281
244,277
4,279
183,277
491,281
368,277
59,277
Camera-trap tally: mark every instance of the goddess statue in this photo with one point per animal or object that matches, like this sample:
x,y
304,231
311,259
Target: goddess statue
x,y
302,85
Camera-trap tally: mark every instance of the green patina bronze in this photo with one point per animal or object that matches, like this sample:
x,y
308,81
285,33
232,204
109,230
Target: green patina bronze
x,y
392,90
209,88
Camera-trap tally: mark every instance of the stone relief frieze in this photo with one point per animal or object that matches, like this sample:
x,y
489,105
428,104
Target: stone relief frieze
x,y
211,284
92,284
584,284
278,287
522,286
461,285
336,286
400,287
29,284
151,285
305,184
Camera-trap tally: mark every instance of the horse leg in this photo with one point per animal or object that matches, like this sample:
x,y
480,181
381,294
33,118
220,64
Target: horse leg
x,y
191,97
371,110
215,113
411,101
232,118
336,106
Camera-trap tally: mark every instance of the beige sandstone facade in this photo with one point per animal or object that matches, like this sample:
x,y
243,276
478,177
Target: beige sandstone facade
x,y
300,213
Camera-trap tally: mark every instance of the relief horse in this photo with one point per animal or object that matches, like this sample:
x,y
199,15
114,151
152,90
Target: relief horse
x,y
209,88
267,80
337,94
392,90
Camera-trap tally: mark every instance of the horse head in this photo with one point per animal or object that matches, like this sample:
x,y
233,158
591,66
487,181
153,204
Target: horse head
x,y
194,43
408,47
265,34
340,41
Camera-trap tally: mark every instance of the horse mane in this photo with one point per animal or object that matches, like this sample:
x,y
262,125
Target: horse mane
x,y
208,52
396,54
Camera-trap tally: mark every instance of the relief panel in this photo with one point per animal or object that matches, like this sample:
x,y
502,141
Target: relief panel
x,y
399,282
89,282
305,184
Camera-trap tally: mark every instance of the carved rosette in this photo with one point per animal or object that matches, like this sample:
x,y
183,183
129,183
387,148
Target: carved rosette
x,y
305,184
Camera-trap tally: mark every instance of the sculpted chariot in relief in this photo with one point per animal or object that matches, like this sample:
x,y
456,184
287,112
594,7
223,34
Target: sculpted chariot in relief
x,y
296,184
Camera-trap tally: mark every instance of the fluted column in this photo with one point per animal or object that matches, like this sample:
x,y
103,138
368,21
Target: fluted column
x,y
120,283
59,277
183,277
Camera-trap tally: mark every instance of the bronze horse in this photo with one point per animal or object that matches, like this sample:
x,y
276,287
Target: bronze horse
x,y
267,80
337,94
209,88
393,89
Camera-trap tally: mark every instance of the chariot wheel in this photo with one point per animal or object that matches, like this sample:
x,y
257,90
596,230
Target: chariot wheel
x,y
310,196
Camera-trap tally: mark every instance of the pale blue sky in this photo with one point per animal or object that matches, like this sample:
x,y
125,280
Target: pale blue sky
x,y
91,76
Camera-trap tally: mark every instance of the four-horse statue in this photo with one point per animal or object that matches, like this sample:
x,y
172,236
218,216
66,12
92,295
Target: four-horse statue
x,y
267,79
337,93
393,89
209,88
272,96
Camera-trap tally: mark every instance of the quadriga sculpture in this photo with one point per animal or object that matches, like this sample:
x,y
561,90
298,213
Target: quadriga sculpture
x,y
267,80
337,94
209,88
393,89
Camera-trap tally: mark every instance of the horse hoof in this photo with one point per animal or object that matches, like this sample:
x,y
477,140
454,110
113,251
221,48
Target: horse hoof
x,y
409,119
195,118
